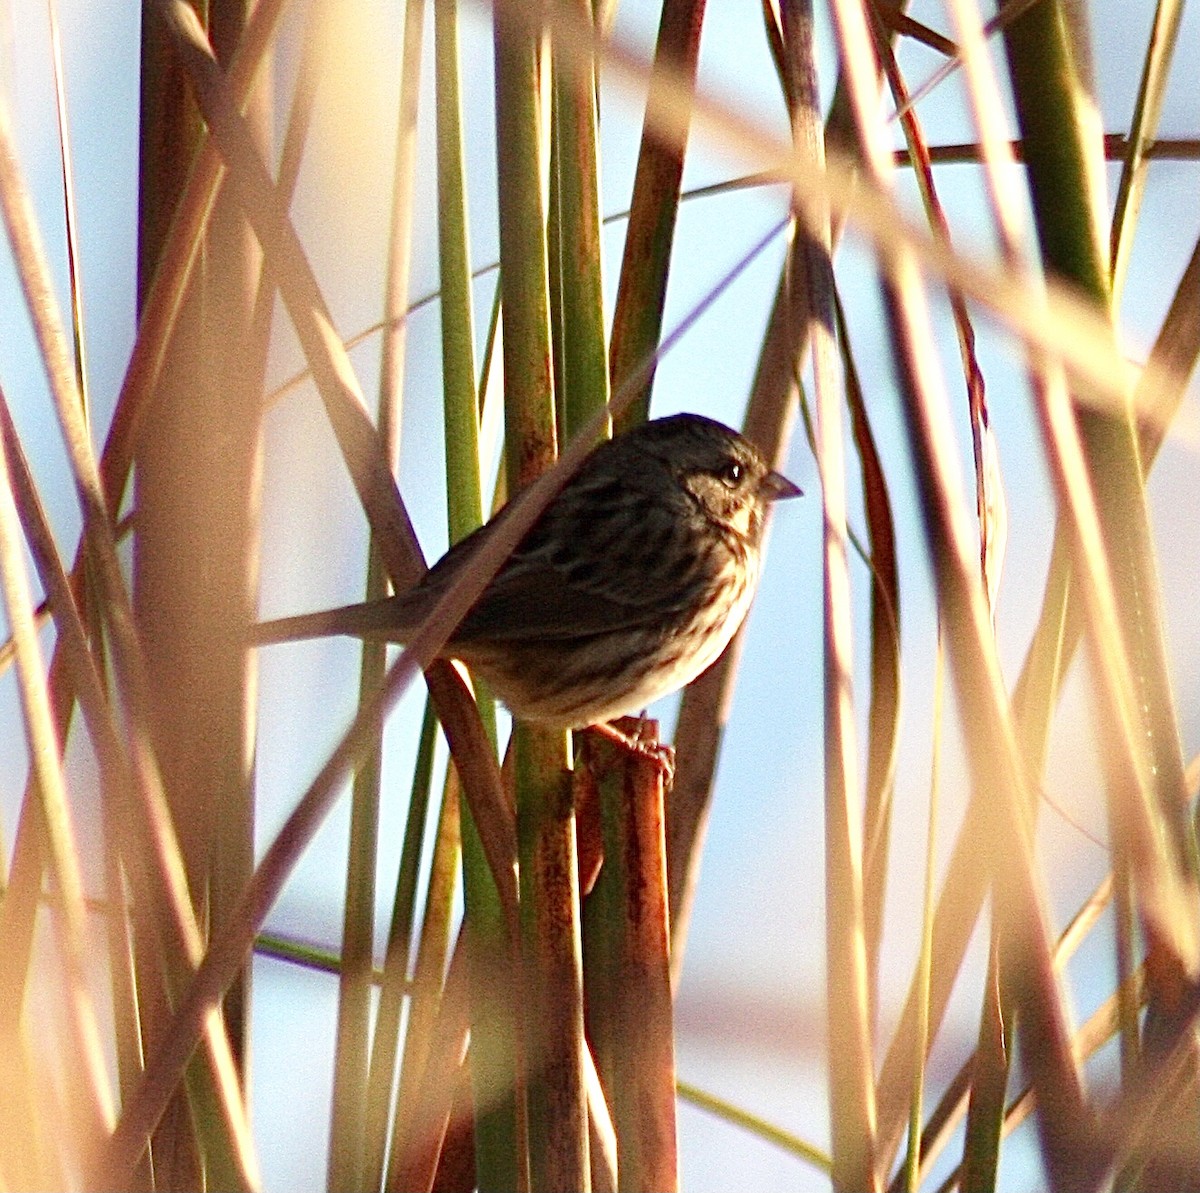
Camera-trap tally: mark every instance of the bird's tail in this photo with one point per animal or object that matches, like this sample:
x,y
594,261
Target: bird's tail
x,y
379,620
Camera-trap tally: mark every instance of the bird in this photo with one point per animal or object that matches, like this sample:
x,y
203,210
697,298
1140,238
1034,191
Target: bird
x,y
628,586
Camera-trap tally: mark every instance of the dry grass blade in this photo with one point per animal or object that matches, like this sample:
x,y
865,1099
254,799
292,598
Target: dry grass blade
x,y
990,506
645,265
1151,92
1166,889
164,297
427,989
991,744
230,947
456,1168
400,245
365,1065
69,210
602,1138
417,1148
705,707
852,1080
884,712
298,287
35,279
1055,320
130,665
88,1085
916,1147
358,1114
1116,146
1109,520
990,1067
99,540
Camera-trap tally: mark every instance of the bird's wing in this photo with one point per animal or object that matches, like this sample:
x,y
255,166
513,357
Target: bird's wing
x,y
589,566
536,604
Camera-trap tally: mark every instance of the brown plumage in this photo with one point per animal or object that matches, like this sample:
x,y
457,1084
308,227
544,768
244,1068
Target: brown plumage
x,y
629,585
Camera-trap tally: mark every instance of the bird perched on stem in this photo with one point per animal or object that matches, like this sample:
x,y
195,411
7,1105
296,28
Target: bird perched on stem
x,y
628,586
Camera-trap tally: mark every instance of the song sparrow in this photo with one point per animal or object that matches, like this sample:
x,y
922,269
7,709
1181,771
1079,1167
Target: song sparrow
x,y
629,585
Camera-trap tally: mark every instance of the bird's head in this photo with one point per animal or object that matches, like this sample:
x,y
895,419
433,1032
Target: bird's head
x,y
720,470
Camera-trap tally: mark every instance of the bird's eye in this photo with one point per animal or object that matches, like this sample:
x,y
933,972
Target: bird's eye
x,y
731,474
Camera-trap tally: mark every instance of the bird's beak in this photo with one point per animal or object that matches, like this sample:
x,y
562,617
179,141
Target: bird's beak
x,y
775,486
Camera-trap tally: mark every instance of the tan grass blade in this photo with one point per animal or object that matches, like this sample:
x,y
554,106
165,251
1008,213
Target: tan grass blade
x,y
1174,356
352,1149
1112,538
90,1091
1054,321
992,750
705,707
429,977
1151,92
1050,652
69,210
416,1151
227,951
645,263
101,547
883,717
851,1078
920,1044
164,296
990,505
991,744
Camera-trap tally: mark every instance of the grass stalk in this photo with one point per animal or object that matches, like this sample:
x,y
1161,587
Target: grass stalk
x,y
654,208
551,979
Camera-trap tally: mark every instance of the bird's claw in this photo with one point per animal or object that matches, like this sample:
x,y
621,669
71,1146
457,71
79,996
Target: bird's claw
x,y
639,736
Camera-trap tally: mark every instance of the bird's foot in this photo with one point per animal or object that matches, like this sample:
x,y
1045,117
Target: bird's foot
x,y
639,735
